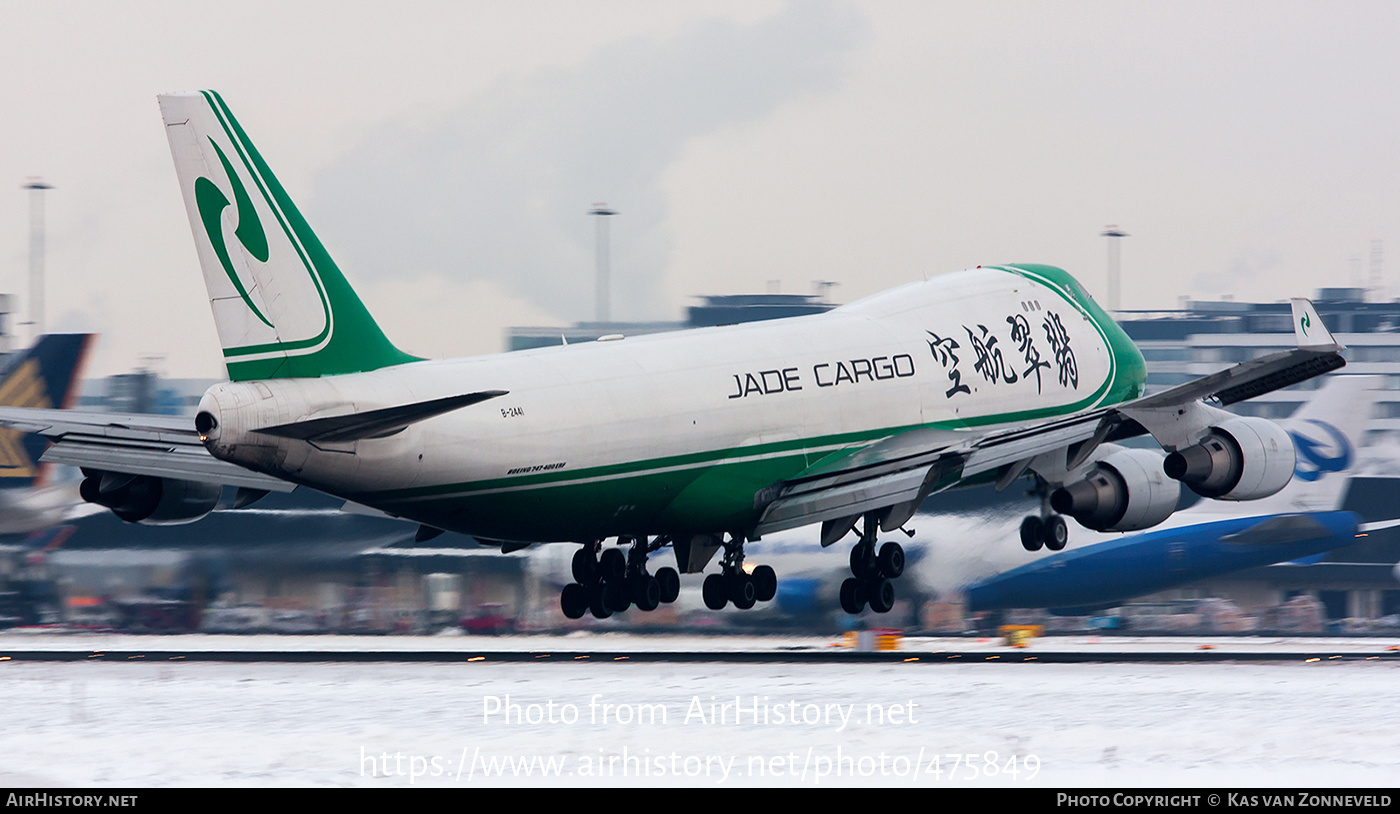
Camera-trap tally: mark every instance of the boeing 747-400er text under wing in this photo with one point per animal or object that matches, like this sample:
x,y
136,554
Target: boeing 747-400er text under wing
x,y
699,440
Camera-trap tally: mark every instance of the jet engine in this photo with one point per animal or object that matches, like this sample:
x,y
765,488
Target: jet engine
x,y
1124,491
1244,458
149,500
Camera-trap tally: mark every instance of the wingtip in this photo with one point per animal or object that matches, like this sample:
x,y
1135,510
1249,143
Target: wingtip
x,y
1309,330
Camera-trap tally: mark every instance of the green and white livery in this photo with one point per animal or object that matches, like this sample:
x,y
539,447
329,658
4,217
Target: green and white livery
x,y
696,440
281,307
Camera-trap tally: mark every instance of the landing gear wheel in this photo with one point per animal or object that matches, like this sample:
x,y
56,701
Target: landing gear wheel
x,y
741,590
615,596
1032,533
670,583
881,593
596,605
646,592
861,555
612,565
715,593
573,600
765,583
891,560
1056,532
585,568
852,601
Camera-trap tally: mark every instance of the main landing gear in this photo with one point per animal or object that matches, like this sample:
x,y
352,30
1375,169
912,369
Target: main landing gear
x,y
1050,532
874,572
733,584
613,582
1046,529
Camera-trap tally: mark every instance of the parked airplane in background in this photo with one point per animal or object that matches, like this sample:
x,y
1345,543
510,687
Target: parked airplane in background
x,y
45,375
1207,540
697,440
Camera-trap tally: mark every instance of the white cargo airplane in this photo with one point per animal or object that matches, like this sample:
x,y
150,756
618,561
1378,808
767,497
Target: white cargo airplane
x,y
700,440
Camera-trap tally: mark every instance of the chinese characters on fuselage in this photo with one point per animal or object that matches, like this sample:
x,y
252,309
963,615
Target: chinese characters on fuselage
x,y
988,362
992,366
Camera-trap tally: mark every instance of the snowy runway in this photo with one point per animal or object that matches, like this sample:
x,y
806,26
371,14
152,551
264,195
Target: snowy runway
x,y
618,723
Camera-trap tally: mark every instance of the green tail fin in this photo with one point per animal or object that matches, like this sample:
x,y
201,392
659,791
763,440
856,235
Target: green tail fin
x,y
281,306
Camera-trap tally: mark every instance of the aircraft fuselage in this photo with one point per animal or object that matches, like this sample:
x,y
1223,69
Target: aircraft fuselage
x,y
675,433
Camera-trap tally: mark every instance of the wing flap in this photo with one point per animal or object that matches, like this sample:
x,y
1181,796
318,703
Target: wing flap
x,y
832,502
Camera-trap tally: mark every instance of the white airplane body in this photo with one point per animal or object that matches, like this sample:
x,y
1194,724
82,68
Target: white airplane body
x,y
673,432
701,439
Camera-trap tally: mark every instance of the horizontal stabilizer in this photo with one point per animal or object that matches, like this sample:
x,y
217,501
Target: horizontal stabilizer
x,y
155,445
375,423
190,462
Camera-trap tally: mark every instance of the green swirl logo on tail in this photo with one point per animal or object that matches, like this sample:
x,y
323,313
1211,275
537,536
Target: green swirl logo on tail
x,y
211,202
1305,323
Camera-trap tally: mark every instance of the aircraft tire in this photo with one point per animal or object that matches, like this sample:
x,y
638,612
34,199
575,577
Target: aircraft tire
x,y
1032,533
765,583
573,600
615,596
851,601
1056,532
612,565
861,555
670,583
891,560
646,592
742,591
596,605
881,593
713,589
585,568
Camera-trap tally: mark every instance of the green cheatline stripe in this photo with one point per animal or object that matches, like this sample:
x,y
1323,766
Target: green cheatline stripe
x,y
821,444
1111,387
628,468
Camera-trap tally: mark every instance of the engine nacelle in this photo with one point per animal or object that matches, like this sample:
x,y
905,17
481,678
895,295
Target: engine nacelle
x,y
1124,491
1244,458
150,500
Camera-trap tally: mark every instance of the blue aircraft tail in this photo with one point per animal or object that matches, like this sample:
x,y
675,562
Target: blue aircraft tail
x,y
45,375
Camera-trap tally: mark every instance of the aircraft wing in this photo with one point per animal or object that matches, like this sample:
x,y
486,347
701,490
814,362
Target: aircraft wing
x,y
899,471
163,446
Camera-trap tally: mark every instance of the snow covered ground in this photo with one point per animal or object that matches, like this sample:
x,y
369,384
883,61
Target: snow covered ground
x,y
567,722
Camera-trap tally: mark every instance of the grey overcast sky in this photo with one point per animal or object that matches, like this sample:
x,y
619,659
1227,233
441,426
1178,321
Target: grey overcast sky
x,y
447,152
